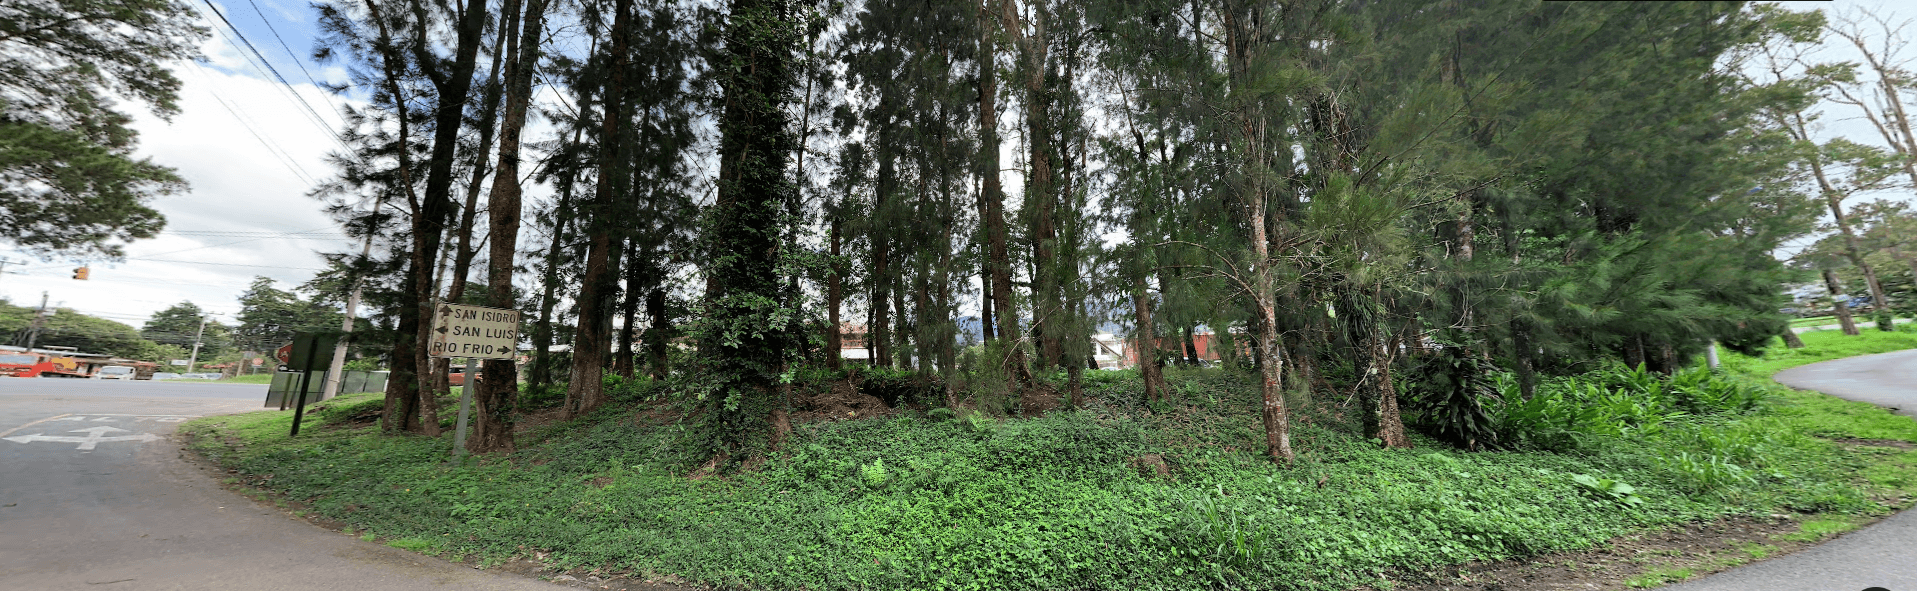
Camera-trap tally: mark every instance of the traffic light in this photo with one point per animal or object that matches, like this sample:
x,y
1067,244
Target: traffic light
x,y
80,273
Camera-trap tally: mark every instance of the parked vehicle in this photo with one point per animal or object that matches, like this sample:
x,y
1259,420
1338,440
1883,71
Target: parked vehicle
x,y
114,372
35,364
165,375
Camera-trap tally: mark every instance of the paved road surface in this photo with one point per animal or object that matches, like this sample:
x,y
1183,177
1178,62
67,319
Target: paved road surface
x,y
1885,379
1861,322
93,497
1882,555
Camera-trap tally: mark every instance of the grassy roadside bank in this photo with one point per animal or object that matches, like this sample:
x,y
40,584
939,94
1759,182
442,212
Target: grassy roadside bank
x,y
1117,495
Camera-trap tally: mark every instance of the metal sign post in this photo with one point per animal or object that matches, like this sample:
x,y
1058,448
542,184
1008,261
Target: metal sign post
x,y
308,351
472,332
465,408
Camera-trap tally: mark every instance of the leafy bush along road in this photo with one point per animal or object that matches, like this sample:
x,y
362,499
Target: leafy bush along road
x,y
1070,500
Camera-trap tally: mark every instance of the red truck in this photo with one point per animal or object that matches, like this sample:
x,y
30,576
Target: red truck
x,y
33,364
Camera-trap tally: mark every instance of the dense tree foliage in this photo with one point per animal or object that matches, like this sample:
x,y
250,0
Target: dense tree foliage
x,y
269,316
68,180
65,327
1327,193
180,325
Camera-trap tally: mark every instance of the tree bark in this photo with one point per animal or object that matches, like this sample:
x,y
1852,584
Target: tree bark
x,y
1852,251
1191,345
879,333
1144,347
433,205
1039,191
586,390
1390,422
624,364
999,259
657,333
834,294
495,396
1790,339
542,334
1840,303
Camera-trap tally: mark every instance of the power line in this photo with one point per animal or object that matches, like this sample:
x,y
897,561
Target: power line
x,y
288,86
278,153
227,264
283,45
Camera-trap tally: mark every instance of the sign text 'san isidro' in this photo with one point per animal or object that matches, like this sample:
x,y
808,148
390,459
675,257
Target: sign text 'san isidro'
x,y
473,331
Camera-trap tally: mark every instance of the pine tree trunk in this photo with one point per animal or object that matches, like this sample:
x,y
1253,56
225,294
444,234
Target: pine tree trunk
x,y
464,252
657,333
1791,340
1852,251
1145,347
1524,351
1838,301
1191,345
542,335
879,333
902,329
1271,387
1390,421
834,293
625,363
430,225
997,235
1039,189
409,386
495,396
586,389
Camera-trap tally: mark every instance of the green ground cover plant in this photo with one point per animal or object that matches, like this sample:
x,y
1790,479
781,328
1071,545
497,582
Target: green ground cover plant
x,y
1822,345
1119,494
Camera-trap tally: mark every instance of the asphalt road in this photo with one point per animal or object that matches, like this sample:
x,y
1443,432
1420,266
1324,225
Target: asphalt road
x,y
1882,555
94,496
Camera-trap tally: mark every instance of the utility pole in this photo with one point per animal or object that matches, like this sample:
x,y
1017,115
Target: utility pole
x,y
33,334
195,357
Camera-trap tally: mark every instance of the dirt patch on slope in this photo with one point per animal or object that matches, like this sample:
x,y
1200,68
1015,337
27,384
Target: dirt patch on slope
x,y
839,401
1896,443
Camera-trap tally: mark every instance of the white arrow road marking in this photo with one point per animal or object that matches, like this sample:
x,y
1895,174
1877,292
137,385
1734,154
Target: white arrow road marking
x,y
95,436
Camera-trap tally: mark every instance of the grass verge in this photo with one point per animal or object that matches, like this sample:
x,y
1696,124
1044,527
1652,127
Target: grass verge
x,y
1118,495
266,378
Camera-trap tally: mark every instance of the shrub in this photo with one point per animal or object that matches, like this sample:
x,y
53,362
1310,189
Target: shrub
x,y
1448,394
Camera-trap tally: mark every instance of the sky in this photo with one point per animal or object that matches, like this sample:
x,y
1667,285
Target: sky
x,y
252,153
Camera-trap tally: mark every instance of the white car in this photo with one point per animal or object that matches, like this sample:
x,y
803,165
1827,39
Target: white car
x,y
115,372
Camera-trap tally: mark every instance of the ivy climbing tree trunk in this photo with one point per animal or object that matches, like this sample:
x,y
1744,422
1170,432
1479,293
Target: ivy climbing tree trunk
x,y
750,329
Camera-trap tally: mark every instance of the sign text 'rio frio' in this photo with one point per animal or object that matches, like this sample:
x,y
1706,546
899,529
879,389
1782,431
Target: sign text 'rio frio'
x,y
474,332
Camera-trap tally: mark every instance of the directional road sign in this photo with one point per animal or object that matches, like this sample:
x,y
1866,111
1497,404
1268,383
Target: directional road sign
x,y
475,332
